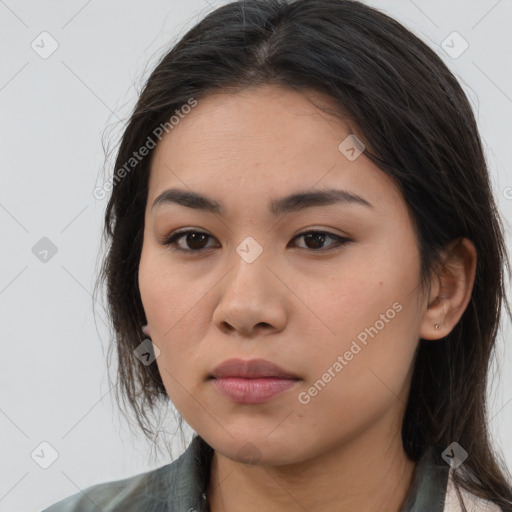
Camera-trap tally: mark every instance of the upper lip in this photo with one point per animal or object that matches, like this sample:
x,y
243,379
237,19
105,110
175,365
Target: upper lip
x,y
250,369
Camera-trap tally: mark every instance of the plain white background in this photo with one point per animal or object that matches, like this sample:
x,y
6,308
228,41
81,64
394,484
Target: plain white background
x,y
54,110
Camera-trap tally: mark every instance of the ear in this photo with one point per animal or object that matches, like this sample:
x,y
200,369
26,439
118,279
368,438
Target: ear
x,y
450,291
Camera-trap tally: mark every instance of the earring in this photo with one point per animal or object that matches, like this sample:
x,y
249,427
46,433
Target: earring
x,y
437,326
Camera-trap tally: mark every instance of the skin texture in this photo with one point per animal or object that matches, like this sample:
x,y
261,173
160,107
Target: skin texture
x,y
298,304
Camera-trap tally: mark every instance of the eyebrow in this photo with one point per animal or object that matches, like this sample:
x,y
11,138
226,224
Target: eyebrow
x,y
292,203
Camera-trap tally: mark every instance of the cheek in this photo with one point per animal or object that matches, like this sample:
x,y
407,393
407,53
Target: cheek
x,y
382,339
165,293
356,295
153,286
370,320
175,311
351,384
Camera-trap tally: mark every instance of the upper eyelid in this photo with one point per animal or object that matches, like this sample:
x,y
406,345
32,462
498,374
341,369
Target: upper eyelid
x,y
304,232
177,236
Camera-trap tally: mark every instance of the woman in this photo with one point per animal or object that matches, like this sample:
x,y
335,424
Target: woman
x,y
302,224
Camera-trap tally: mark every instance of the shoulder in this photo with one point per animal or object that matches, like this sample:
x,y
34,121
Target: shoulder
x,y
175,486
139,492
472,502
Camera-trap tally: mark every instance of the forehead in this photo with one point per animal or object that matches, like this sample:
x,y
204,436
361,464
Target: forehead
x,y
264,141
265,122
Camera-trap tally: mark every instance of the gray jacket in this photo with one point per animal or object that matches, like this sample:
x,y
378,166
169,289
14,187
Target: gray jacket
x,y
181,487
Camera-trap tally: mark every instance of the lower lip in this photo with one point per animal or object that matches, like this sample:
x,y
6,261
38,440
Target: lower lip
x,y
252,391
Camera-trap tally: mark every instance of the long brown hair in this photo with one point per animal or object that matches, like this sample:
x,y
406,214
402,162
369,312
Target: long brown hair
x,y
417,126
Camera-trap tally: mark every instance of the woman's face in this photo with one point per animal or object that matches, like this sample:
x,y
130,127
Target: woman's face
x,y
343,318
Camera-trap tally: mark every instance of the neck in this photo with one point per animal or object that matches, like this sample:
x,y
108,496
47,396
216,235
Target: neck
x,y
369,474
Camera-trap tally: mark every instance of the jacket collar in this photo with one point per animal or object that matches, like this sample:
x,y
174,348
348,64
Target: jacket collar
x,y
430,480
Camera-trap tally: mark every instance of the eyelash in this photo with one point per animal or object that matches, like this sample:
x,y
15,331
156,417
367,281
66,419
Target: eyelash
x,y
172,239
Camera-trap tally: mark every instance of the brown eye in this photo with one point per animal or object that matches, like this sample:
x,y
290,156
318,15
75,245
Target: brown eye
x,y
195,240
315,239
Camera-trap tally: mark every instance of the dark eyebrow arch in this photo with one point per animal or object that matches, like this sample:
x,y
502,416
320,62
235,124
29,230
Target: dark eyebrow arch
x,y
292,203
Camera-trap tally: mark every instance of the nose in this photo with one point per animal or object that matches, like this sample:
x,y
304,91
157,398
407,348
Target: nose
x,y
253,300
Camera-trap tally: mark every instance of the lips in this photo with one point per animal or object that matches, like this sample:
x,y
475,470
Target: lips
x,y
251,369
252,382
